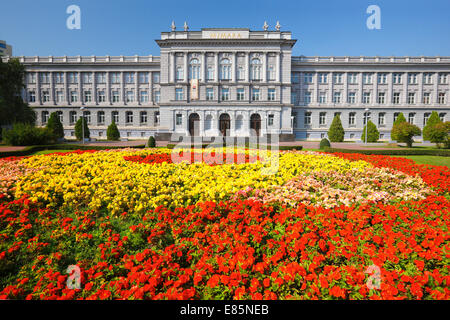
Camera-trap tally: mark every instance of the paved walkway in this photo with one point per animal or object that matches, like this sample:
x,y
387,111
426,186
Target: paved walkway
x,y
10,148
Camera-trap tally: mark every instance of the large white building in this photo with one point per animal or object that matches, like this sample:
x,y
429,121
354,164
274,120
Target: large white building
x,y
235,82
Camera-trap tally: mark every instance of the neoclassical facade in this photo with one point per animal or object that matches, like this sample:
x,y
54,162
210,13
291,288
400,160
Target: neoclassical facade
x,y
235,82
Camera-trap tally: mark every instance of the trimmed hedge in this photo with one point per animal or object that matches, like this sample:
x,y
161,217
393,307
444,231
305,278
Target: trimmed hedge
x,y
203,146
32,149
395,152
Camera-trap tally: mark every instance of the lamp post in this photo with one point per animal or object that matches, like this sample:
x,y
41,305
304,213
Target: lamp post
x,y
82,124
366,116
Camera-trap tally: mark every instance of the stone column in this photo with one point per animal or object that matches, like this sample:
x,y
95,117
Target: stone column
x,y
405,90
80,90
94,88
108,88
66,88
233,67
186,71
52,88
122,89
38,88
172,67
264,67
150,88
390,88
375,88
420,97
345,95
136,88
216,67
435,98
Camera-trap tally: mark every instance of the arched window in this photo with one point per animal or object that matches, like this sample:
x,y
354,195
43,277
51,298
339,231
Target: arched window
x,y
225,69
256,69
194,69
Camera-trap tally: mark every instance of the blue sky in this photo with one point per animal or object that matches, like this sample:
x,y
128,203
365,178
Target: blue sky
x,y
408,28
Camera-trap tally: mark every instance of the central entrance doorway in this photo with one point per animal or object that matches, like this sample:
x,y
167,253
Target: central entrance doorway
x,y
255,124
194,124
224,124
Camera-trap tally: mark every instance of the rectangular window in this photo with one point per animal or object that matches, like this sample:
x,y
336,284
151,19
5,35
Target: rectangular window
x,y
307,97
426,98
101,117
130,96
295,78
366,97
115,96
180,73
87,96
157,96
412,78
441,98
210,73
337,78
31,96
411,117
45,96
87,77
115,116
270,73
129,77
255,94
351,97
143,77
179,94
323,77
225,94
367,78
294,97
44,77
143,117
101,77
101,96
270,120
59,77
337,97
73,77
382,78
396,114
73,96
209,94
129,117
156,77
443,78
72,117
352,78
307,118
143,96
179,119
397,78
115,77
381,119
322,118
366,118
240,94
411,98
87,116
322,97
396,98
59,96
428,78
308,77
271,95
442,116
31,77
240,73
425,117
381,97
351,119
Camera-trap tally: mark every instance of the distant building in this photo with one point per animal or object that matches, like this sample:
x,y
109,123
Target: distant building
x,y
235,82
5,49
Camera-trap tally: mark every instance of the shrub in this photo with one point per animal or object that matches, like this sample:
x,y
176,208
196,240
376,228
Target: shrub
x,y
439,134
55,126
336,131
401,118
404,132
324,143
112,132
79,131
151,142
432,120
372,132
23,134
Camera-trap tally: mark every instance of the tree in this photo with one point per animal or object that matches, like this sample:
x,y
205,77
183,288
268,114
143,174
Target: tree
x,y
432,120
439,134
12,107
401,118
79,130
336,131
372,132
112,133
324,143
55,126
151,142
404,132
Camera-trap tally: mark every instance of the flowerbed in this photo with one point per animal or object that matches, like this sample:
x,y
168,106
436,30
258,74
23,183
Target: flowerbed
x,y
140,226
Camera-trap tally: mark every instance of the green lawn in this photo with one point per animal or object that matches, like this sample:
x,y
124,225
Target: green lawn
x,y
48,151
434,160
